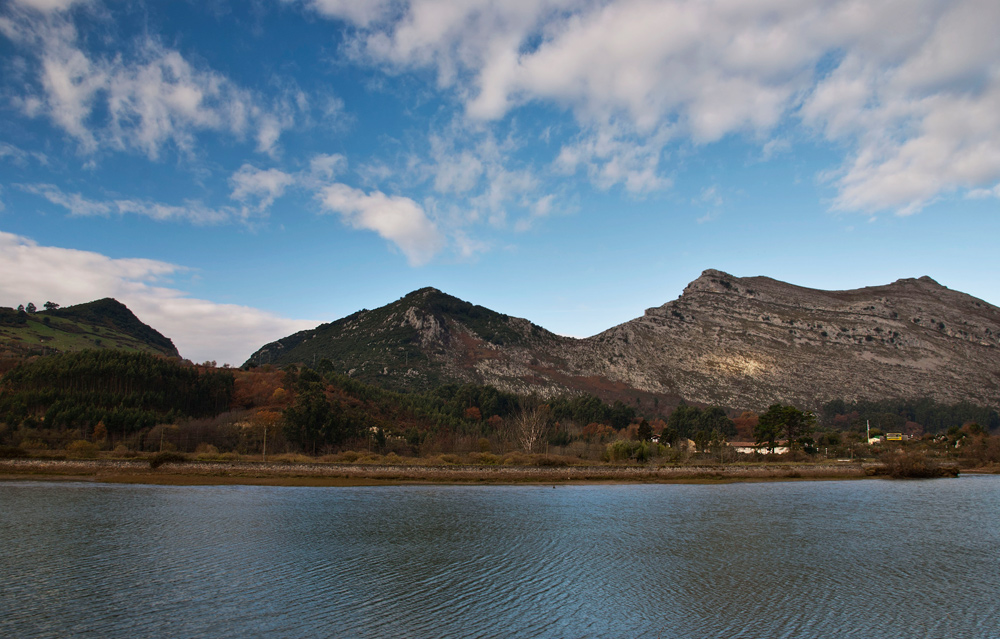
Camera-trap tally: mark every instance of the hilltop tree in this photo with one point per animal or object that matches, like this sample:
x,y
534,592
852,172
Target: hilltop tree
x,y
30,307
50,306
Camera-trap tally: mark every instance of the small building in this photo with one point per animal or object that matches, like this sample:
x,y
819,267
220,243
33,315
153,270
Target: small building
x,y
751,448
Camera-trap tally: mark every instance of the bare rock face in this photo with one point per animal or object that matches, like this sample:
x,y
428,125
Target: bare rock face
x,y
738,342
745,342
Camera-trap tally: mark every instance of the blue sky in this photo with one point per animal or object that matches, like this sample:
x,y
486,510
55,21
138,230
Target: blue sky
x,y
237,171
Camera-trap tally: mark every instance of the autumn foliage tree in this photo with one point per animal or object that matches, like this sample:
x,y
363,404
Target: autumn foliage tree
x,y
745,425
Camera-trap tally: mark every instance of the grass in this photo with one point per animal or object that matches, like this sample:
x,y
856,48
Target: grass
x,y
65,335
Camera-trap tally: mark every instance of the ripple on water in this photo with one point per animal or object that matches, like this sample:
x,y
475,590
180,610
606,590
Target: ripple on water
x,y
848,559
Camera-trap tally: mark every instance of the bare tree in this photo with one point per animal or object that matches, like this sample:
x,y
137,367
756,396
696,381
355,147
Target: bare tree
x,y
529,427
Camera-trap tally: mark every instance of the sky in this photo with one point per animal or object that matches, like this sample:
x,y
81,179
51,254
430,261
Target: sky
x,y
238,170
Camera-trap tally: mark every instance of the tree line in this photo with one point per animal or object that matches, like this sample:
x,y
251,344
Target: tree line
x,y
126,391
316,410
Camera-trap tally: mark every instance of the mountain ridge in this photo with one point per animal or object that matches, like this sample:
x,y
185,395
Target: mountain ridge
x,y
727,340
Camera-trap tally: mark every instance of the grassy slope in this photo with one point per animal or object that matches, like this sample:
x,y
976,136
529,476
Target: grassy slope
x,y
75,332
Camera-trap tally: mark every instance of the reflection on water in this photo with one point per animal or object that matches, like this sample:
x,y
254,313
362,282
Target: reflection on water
x,y
864,559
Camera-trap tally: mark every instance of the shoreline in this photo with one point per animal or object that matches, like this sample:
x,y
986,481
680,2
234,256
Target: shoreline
x,y
210,473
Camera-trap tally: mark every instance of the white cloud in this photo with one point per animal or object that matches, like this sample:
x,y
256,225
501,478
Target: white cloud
x,y
80,206
49,5
613,155
361,12
479,172
711,200
143,97
979,194
397,219
20,156
260,187
326,166
202,330
909,87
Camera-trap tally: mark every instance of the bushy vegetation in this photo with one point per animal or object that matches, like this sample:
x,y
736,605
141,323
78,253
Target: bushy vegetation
x,y
168,457
912,464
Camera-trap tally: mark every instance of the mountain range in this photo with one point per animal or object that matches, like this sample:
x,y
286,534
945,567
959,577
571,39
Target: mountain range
x,y
738,342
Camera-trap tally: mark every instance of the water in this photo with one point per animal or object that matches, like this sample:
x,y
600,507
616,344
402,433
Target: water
x,y
865,559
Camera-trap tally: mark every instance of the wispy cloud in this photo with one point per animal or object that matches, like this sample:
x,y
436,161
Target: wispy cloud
x,y
20,156
81,206
144,97
49,6
201,330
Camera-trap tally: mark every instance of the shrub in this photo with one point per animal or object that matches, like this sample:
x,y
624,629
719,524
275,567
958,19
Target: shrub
x,y
516,459
205,448
167,457
12,452
550,460
911,465
81,449
486,459
625,449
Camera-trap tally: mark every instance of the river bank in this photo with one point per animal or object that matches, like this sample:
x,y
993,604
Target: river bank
x,y
340,474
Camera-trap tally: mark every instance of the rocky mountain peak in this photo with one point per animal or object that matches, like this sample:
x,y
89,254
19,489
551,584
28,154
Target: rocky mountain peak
x,y
713,281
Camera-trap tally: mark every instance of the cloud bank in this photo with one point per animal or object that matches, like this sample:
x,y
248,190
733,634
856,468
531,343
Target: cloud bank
x,y
910,87
201,330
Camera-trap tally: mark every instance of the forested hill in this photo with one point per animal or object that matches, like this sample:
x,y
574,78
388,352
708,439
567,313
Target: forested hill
x,y
102,325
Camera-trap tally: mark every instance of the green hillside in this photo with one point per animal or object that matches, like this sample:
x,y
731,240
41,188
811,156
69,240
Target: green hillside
x,y
402,345
102,325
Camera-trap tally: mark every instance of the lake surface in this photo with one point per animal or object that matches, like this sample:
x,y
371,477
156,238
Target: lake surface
x,y
865,559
